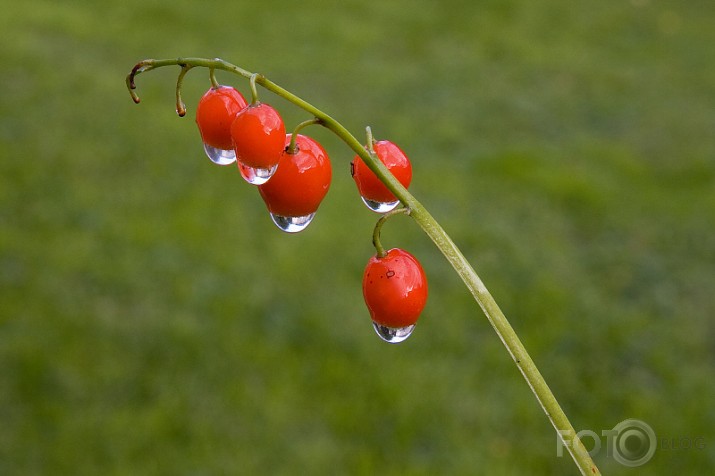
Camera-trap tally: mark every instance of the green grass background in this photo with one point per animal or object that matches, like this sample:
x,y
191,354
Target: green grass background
x,y
154,321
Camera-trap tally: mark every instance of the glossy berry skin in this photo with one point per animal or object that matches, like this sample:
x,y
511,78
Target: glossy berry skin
x,y
301,181
369,186
215,113
395,288
258,135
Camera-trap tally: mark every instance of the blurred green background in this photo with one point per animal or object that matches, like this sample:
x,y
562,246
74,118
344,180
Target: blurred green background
x,y
154,321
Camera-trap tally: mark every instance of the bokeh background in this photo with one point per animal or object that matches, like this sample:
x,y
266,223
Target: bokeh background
x,y
154,321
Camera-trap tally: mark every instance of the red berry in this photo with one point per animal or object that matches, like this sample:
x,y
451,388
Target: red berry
x,y
215,112
301,180
369,186
395,288
258,135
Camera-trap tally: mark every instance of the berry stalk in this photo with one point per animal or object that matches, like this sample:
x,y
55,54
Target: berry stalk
x,y
431,227
379,249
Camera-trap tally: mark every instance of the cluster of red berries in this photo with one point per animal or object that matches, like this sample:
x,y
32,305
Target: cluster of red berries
x,y
293,174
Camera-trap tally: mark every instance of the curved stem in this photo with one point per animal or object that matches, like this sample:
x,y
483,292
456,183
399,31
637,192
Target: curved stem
x,y
441,239
381,253
212,76
254,90
293,147
180,106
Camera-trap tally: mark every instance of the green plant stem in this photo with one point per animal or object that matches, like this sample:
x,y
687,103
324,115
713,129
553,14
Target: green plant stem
x,y
369,140
180,106
379,249
432,228
254,90
212,77
293,147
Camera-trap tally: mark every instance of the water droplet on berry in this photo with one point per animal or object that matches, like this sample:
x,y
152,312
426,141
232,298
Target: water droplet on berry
x,y
380,207
292,224
220,156
393,335
256,176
